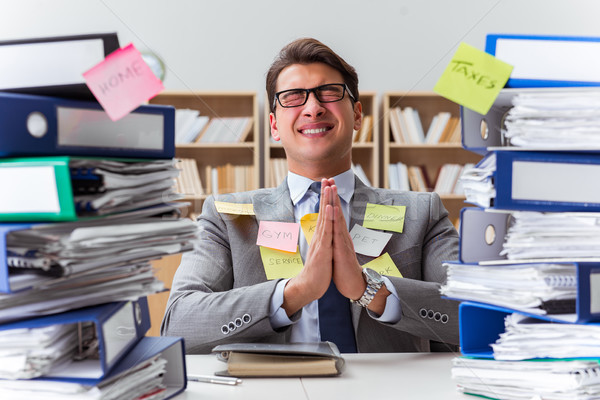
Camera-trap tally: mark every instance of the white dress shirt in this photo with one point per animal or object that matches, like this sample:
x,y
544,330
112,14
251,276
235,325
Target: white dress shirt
x,y
306,323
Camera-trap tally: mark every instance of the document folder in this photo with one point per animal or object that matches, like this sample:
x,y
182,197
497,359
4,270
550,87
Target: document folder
x,y
480,325
545,181
46,126
548,61
117,327
482,234
53,65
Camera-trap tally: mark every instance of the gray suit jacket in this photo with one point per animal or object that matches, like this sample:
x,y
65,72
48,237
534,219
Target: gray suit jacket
x,y
220,293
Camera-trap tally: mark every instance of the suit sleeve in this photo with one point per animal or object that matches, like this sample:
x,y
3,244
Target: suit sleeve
x,y
424,312
219,293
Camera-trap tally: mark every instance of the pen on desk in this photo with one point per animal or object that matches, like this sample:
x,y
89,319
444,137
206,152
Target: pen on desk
x,y
223,380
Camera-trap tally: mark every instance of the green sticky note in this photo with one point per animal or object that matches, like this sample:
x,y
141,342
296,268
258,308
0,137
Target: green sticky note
x,y
473,78
280,264
384,265
387,218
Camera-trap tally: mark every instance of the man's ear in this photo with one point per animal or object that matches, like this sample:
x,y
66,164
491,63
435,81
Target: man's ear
x,y
274,131
357,115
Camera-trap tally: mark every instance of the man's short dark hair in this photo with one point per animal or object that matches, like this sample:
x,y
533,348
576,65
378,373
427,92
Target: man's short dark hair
x,y
308,51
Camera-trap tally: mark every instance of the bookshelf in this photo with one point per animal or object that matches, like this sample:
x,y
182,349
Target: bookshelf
x,y
246,153
431,156
365,153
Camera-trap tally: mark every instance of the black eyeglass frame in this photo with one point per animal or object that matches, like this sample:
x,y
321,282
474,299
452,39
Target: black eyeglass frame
x,y
345,89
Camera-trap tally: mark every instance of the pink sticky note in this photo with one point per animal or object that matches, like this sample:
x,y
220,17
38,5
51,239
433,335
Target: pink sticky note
x,y
278,235
122,81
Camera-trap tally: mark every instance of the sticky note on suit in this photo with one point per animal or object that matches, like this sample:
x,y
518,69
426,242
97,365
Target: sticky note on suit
x,y
473,78
280,264
234,208
309,224
367,241
384,217
278,235
384,265
122,82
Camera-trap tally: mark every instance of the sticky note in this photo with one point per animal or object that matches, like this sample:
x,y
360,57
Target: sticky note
x,y
122,82
473,78
278,235
234,208
309,224
280,264
387,218
367,241
384,265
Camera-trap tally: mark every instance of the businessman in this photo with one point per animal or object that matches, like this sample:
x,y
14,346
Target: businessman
x,y
220,292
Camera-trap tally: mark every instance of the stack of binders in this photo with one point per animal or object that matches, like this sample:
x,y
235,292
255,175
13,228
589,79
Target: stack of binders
x,y
528,274
87,203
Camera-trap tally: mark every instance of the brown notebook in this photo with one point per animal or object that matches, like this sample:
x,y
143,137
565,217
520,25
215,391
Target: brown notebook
x,y
280,360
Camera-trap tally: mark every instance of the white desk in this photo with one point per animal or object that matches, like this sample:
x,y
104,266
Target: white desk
x,y
411,376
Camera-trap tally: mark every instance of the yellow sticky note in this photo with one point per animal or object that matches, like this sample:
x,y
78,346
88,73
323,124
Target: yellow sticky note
x,y
473,78
384,265
308,224
280,264
234,208
387,218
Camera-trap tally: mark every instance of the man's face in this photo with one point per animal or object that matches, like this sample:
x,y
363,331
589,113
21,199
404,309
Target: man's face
x,y
316,136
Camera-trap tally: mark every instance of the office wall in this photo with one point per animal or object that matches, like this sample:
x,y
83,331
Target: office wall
x,y
228,44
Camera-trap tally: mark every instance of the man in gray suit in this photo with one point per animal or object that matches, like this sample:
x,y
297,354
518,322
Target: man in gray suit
x,y
220,292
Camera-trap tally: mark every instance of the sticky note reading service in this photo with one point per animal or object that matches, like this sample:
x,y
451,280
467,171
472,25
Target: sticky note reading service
x,y
278,235
384,265
280,264
308,224
122,82
386,218
473,78
234,208
367,241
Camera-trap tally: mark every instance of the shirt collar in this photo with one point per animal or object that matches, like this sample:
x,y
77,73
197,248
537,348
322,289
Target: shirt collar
x,y
298,185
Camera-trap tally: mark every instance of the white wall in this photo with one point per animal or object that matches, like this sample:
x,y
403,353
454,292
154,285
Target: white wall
x,y
229,44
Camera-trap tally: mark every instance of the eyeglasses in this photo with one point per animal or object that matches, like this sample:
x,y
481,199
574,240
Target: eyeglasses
x,y
329,93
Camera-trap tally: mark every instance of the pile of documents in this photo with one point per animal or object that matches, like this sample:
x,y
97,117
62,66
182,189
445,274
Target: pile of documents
x,y
91,204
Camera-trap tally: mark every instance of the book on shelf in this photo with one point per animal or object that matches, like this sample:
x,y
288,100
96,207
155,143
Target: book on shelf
x,y
398,176
437,127
365,133
413,125
447,179
227,130
417,179
188,182
277,360
189,125
451,132
278,171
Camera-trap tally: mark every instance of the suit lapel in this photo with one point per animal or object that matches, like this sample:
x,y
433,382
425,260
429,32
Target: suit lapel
x,y
274,205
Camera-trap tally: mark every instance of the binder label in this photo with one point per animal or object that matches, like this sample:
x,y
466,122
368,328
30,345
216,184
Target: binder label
x,y
30,190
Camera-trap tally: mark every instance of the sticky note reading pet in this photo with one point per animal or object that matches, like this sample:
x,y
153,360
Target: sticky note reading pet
x,y
234,208
473,78
367,241
384,265
387,218
280,264
122,81
309,224
278,235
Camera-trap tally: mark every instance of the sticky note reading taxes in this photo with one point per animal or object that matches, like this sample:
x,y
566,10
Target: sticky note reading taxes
x,y
387,218
384,265
280,264
122,82
278,235
367,241
473,78
308,224
234,208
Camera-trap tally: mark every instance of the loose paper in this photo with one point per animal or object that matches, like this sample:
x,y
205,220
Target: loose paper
x,y
278,235
280,264
473,78
387,218
384,265
122,82
234,208
367,241
308,224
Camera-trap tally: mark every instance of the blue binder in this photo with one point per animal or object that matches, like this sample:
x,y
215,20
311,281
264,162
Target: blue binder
x,y
546,181
548,61
481,325
118,327
44,126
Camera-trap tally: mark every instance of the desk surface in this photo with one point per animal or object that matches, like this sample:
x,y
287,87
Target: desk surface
x,y
395,375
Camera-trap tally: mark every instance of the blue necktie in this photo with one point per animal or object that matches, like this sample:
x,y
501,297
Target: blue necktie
x,y
335,317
